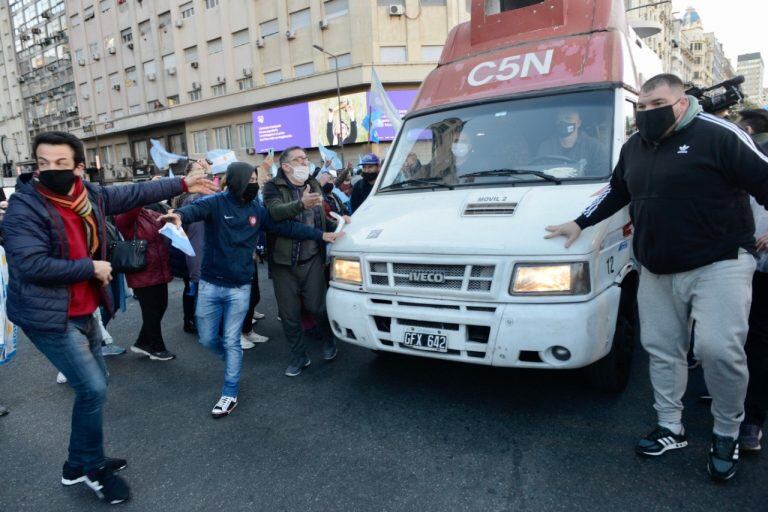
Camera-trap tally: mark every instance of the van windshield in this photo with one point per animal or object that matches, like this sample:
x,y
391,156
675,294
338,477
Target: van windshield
x,y
558,138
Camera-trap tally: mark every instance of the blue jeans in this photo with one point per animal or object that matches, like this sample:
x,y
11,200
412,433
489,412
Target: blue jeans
x,y
77,354
217,304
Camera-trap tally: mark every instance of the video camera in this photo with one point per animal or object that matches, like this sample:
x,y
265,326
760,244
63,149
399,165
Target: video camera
x,y
731,95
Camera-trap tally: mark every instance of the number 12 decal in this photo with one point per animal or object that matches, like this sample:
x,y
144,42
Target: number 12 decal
x,y
609,264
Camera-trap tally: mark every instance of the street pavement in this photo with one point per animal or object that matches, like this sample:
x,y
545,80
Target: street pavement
x,y
360,433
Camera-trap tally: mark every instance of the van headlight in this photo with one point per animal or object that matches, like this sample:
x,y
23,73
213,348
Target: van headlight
x,y
346,270
554,279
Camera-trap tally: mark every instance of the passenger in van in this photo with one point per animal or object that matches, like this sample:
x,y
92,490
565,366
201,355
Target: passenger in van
x,y
571,142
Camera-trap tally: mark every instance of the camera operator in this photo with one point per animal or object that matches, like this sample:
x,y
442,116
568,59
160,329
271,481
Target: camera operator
x,y
686,176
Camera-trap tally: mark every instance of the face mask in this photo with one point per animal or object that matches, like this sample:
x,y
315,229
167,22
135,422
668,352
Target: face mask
x,y
370,177
564,129
300,173
251,191
57,181
460,149
653,124
328,188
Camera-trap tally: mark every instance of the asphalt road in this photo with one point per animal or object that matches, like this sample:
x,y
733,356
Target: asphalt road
x,y
360,433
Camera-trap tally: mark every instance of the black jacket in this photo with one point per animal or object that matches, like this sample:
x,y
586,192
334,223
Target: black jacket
x,y
688,195
360,192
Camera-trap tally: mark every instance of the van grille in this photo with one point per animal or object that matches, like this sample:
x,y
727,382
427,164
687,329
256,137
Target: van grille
x,y
466,278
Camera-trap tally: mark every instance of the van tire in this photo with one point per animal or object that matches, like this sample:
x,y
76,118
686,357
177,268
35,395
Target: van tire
x,y
611,373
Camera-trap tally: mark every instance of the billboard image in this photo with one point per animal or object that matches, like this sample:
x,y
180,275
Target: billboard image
x,y
310,124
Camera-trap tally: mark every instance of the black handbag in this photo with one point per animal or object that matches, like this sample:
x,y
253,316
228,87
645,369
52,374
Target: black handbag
x,y
126,256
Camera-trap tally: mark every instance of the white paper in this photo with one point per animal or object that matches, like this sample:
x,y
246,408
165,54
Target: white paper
x,y
178,238
339,220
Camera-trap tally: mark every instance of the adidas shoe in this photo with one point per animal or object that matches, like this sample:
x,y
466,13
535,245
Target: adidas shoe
x,y
659,441
71,475
224,406
108,486
723,458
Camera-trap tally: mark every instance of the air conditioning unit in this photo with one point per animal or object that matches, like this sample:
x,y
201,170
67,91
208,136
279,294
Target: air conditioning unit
x,y
396,10
323,24
247,72
290,34
96,56
196,86
179,23
259,42
112,50
81,62
194,64
127,161
151,77
171,71
21,79
116,87
221,79
72,110
250,151
130,46
35,30
45,14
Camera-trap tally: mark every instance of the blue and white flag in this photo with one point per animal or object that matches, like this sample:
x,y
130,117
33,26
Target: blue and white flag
x,y
380,102
220,158
162,158
327,154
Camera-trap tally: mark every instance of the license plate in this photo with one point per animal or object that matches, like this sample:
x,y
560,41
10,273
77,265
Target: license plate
x,y
424,341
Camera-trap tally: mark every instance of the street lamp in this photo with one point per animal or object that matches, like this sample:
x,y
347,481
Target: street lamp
x,y
338,94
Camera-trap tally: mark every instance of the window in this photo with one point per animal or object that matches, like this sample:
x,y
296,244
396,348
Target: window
x,y
107,157
245,83
305,69
134,109
387,3
164,20
345,59
144,28
336,8
200,141
114,80
140,149
172,100
219,90
223,137
169,61
300,19
245,135
240,38
105,5
177,144
268,28
74,20
431,53
130,77
210,4
214,46
93,49
273,76
150,68
392,54
126,35
88,13
117,114
195,95
154,105
426,3
123,153
190,54
92,156
187,10
98,85
79,55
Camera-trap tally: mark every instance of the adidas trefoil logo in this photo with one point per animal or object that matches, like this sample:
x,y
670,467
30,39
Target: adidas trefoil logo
x,y
683,150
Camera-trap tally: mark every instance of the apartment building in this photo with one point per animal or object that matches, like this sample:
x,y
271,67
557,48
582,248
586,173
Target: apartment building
x,y
13,136
751,65
196,74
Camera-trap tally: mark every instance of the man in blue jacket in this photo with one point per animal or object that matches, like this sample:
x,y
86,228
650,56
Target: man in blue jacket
x,y
56,243
233,220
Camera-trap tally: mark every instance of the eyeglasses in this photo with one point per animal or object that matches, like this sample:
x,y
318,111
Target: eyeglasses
x,y
299,159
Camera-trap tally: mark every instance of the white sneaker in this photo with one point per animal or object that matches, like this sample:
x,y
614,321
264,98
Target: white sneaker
x,y
224,406
61,379
255,338
245,343
258,316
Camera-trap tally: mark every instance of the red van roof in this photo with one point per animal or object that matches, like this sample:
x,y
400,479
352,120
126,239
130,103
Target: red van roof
x,y
550,44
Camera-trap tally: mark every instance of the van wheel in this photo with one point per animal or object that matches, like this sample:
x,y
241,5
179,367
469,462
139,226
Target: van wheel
x,y
611,373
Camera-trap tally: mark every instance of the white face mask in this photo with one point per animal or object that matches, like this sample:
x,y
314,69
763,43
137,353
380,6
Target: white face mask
x,y
300,173
460,149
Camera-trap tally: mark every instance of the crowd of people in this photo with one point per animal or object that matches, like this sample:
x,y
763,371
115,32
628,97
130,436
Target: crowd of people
x,y
685,175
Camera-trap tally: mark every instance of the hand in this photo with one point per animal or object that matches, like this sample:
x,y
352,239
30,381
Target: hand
x,y
102,270
205,165
570,230
310,199
332,237
200,185
174,218
762,242
347,219
329,162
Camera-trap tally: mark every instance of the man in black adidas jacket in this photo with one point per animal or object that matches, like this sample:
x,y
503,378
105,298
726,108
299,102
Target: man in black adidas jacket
x,y
687,177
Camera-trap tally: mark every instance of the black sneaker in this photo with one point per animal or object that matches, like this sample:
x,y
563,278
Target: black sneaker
x,y
74,475
659,441
108,486
329,349
190,327
723,457
224,406
297,366
162,355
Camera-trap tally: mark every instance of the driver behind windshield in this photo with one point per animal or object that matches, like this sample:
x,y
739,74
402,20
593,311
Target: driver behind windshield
x,y
571,142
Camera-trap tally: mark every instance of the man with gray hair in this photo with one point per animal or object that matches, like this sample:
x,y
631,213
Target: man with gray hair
x,y
687,177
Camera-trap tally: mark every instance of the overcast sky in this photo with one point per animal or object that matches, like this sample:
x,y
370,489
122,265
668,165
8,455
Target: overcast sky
x,y
739,24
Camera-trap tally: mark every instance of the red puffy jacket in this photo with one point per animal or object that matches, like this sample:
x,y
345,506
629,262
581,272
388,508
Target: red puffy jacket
x,y
158,269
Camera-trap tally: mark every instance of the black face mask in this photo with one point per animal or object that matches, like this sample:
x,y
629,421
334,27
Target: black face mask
x,y
370,177
57,181
564,129
653,124
328,188
251,191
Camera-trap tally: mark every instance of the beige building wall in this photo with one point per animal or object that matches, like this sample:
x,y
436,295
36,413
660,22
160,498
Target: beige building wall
x,y
166,67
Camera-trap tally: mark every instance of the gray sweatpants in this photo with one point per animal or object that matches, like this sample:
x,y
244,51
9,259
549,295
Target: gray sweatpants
x,y
717,297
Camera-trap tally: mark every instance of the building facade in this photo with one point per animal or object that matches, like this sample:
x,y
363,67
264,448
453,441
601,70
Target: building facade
x,y
682,52
192,73
13,133
751,65
660,16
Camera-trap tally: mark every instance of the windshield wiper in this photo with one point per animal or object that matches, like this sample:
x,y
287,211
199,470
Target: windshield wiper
x,y
415,180
514,172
